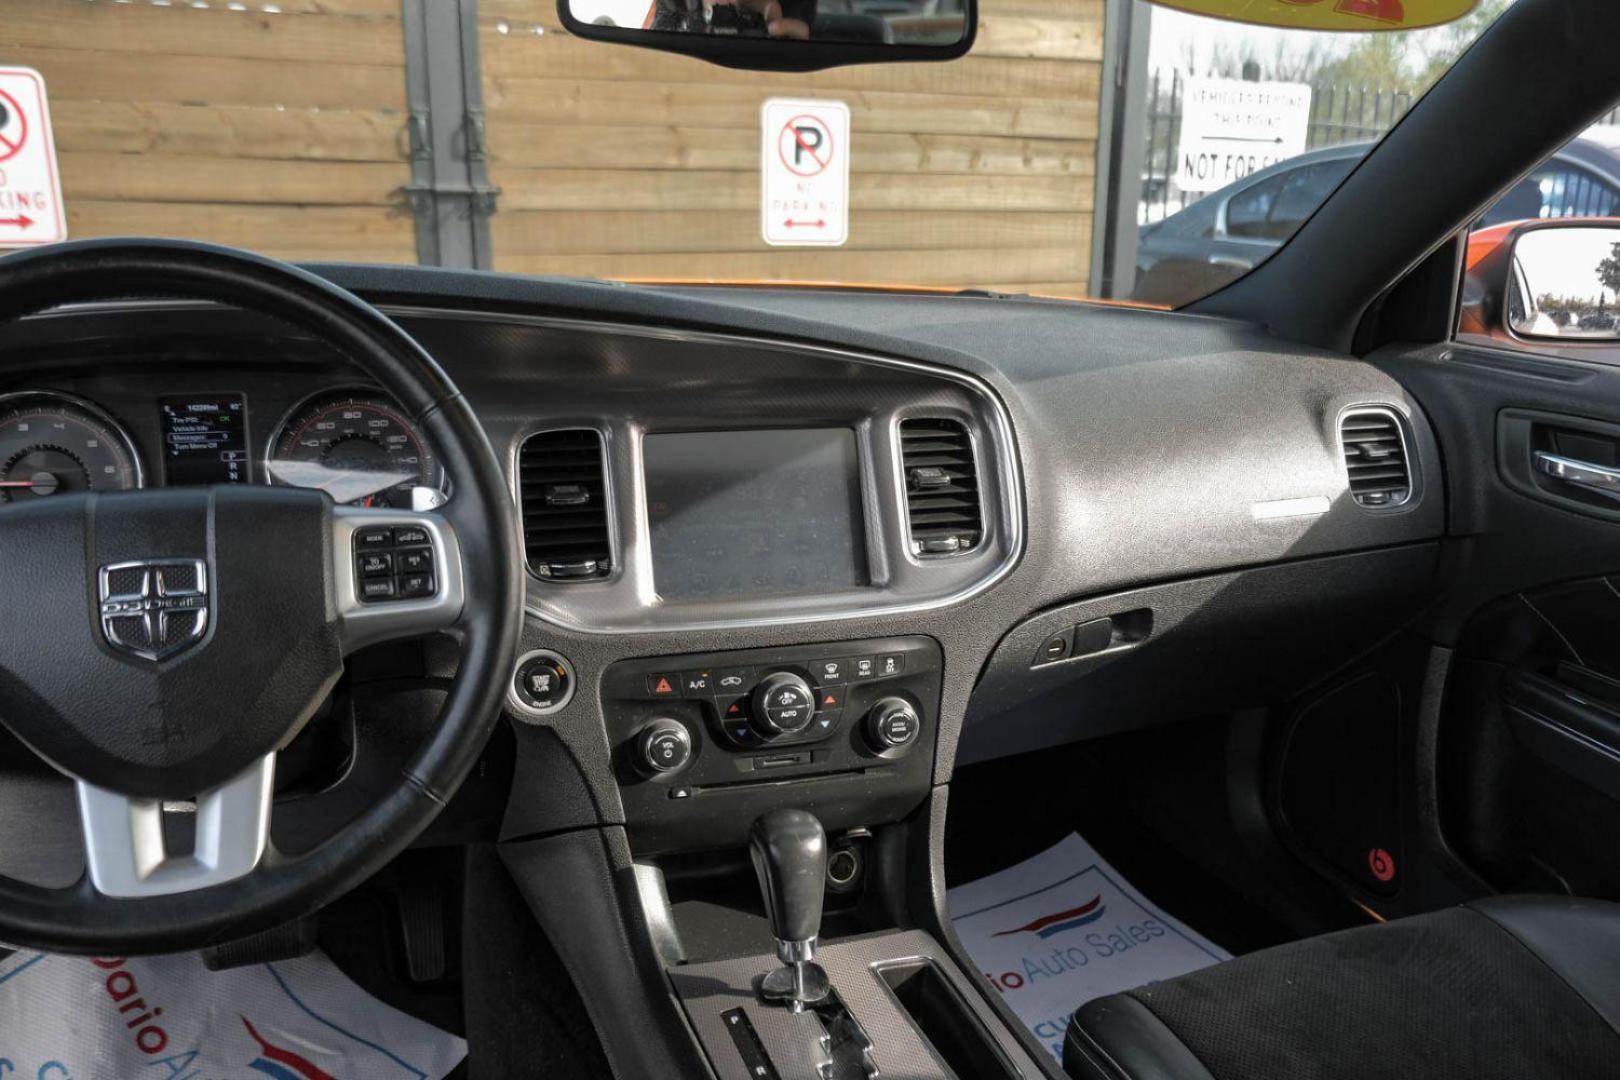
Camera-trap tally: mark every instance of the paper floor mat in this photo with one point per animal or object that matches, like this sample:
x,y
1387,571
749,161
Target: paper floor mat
x,y
1064,927
169,1017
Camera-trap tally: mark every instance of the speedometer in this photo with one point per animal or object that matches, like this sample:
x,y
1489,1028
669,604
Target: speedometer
x,y
53,444
357,446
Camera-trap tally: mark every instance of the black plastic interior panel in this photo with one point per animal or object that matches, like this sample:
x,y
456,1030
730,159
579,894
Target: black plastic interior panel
x,y
1217,643
737,769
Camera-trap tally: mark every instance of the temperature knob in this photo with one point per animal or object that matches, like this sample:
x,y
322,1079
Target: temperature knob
x,y
892,725
783,704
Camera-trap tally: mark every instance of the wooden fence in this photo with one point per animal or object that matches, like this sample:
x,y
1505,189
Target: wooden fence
x,y
619,162
279,131
281,128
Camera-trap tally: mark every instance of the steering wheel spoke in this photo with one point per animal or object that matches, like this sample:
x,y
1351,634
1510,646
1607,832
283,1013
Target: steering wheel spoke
x,y
397,574
126,854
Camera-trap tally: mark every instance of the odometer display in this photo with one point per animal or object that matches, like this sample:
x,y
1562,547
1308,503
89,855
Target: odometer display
x,y
54,444
357,447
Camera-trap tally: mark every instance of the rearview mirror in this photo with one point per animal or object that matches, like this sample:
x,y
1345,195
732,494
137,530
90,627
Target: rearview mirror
x,y
1563,283
781,35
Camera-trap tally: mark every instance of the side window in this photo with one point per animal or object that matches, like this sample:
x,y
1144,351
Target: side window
x,y
1248,212
1556,189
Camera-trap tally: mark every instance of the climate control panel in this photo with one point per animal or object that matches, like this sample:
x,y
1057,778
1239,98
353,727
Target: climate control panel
x,y
702,738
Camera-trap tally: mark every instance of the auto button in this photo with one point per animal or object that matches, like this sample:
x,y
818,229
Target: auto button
x,y
783,704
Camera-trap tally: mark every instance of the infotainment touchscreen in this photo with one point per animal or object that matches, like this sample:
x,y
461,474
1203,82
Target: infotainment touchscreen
x,y
762,513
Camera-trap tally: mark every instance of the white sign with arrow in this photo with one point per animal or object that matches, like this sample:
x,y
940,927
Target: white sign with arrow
x,y
804,172
31,211
1231,128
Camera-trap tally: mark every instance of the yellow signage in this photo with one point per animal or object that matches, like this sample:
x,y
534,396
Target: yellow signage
x,y
1331,14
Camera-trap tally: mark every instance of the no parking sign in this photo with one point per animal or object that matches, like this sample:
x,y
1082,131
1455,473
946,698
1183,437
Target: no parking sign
x,y
804,172
31,210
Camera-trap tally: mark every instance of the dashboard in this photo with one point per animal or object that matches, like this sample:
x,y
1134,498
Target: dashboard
x,y
1028,511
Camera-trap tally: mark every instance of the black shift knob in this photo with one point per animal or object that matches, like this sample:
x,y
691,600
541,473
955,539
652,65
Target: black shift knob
x,y
789,851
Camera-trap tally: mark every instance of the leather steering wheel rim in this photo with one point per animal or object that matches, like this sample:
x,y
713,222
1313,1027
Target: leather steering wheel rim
x,y
79,918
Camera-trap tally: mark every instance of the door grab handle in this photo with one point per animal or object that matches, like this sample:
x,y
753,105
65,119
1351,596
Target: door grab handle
x,y
1581,474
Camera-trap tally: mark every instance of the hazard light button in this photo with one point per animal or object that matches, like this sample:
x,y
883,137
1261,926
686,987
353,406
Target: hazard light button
x,y
664,685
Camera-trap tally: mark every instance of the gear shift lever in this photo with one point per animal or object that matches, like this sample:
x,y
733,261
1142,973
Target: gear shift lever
x,y
789,852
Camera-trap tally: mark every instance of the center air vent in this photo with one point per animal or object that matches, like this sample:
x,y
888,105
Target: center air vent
x,y
1375,458
563,491
942,487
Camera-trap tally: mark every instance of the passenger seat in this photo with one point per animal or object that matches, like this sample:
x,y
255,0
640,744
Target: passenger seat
x,y
1501,989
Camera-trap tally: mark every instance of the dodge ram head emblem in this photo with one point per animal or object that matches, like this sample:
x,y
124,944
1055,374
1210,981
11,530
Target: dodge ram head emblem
x,y
154,608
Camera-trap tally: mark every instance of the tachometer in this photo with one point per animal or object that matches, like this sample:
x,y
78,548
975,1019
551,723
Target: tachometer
x,y
52,444
358,447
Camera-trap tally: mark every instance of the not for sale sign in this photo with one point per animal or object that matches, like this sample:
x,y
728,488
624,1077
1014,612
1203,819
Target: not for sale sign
x,y
31,211
1231,128
804,172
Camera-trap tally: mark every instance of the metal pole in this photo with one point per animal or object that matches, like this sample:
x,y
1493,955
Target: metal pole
x,y
1121,140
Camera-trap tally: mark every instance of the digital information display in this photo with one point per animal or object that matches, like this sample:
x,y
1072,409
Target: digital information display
x,y
205,439
764,513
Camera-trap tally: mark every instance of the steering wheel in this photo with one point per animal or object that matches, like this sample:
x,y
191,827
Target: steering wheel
x,y
163,645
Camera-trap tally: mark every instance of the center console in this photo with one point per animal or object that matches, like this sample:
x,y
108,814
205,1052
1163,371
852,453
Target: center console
x,y
704,743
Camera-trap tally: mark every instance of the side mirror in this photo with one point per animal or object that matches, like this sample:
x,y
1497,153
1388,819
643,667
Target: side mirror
x,y
1555,281
780,35
1564,283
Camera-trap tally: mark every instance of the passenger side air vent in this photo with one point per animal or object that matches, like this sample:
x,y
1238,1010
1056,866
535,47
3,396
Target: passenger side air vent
x,y
563,491
942,487
1375,458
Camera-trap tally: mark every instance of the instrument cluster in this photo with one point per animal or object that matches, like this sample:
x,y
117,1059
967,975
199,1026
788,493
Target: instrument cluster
x,y
355,443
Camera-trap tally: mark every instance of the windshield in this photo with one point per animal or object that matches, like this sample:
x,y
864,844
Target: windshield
x,y
479,133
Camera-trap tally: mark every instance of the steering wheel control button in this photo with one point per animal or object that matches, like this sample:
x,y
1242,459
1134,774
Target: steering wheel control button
x,y
375,564
380,566
892,725
783,703
378,589
412,586
664,685
829,671
542,683
663,747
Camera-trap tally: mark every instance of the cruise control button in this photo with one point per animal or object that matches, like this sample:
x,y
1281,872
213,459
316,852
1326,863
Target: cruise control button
x,y
829,671
415,561
377,589
413,585
410,534
374,563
